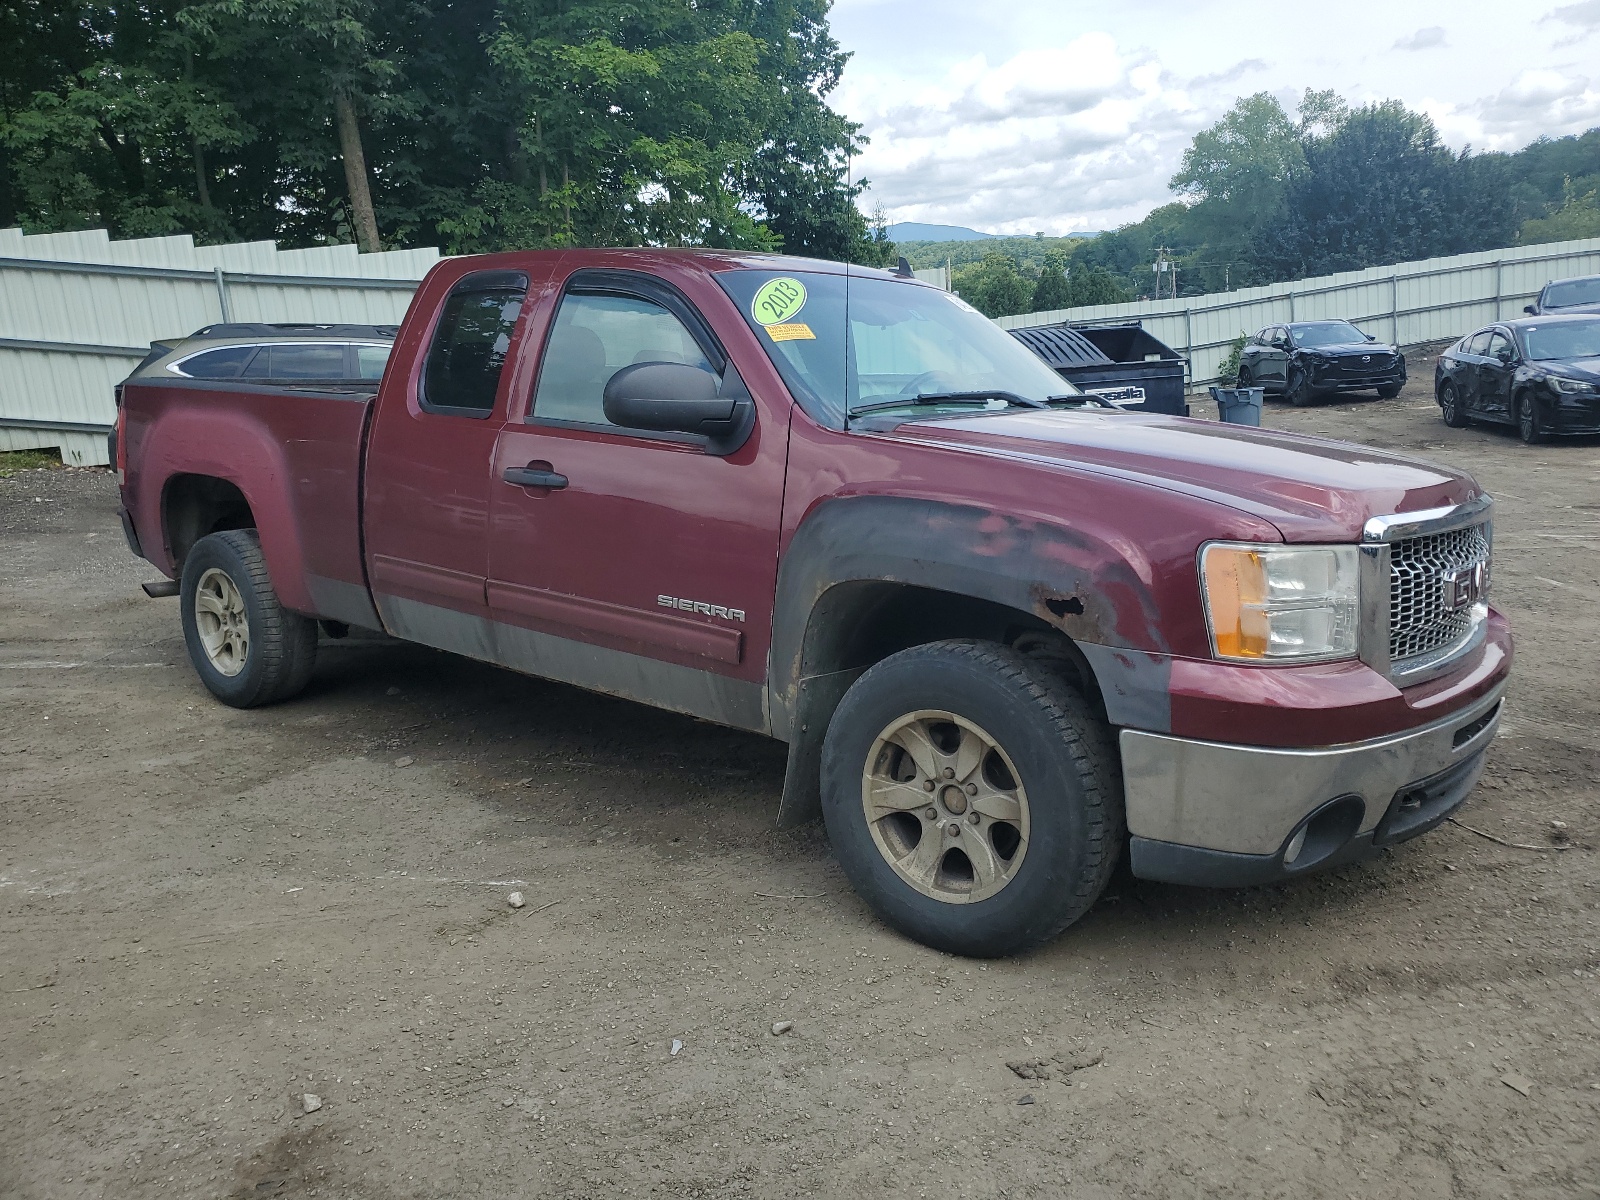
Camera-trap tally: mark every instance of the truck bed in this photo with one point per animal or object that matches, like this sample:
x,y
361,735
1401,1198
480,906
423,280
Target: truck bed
x,y
268,441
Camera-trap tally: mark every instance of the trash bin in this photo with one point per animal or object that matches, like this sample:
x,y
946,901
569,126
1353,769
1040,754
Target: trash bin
x,y
1239,406
1121,363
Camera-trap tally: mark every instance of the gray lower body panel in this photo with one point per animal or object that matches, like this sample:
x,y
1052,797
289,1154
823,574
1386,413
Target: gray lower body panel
x,y
698,693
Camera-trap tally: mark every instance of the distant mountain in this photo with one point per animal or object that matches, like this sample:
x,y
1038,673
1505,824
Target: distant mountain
x,y
917,231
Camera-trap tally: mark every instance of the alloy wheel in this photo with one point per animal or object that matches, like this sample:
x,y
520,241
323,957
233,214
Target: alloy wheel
x,y
946,806
222,621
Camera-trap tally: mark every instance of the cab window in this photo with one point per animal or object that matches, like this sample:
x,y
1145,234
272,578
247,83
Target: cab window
x,y
593,338
461,374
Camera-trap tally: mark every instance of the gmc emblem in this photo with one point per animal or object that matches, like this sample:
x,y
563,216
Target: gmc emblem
x,y
1464,586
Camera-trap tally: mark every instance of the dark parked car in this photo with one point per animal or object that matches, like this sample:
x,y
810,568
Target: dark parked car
x,y
1541,374
1304,359
1581,295
267,353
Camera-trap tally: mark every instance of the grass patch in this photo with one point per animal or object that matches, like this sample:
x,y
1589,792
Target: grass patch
x,y
12,461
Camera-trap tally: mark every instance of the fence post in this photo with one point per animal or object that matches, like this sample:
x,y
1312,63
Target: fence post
x,y
222,297
1188,343
1291,306
1499,263
1394,307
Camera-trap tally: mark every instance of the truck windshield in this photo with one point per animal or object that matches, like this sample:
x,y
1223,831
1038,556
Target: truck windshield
x,y
904,344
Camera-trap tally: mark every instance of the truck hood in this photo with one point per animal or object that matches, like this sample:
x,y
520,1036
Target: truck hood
x,y
1311,489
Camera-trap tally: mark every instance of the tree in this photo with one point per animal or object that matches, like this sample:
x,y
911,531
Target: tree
x,y
1053,289
1097,286
472,124
1578,216
993,286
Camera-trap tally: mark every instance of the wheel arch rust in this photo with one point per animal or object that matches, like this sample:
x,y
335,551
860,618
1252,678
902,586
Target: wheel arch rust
x,y
864,577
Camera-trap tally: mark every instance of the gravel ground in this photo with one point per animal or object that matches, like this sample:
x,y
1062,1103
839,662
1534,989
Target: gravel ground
x,y
209,914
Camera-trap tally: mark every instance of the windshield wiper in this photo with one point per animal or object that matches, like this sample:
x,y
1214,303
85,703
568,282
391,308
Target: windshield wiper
x,y
982,396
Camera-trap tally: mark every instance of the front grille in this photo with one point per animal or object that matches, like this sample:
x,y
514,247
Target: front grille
x,y
1354,366
1421,620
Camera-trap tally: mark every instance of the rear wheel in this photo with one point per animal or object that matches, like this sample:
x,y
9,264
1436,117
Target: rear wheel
x,y
1450,405
972,799
245,646
1529,428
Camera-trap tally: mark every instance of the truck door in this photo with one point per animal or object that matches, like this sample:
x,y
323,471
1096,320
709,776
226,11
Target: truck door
x,y
640,564
426,509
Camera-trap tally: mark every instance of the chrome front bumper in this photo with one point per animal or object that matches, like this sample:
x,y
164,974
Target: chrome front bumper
x,y
1217,814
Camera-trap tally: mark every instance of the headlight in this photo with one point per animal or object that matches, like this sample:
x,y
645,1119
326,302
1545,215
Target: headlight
x,y
1281,603
1572,386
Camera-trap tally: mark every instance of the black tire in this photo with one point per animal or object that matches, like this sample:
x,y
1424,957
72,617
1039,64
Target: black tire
x,y
281,650
1389,391
1529,428
1298,391
1243,381
1450,407
1064,760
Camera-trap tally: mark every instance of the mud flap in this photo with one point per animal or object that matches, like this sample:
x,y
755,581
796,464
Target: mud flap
x,y
818,696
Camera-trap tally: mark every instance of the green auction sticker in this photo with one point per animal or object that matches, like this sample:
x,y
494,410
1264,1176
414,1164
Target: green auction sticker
x,y
778,301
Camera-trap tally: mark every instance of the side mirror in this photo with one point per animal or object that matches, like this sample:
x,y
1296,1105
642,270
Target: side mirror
x,y
1531,309
665,397
1371,337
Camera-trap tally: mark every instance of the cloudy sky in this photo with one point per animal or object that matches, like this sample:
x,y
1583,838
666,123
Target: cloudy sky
x,y
1062,115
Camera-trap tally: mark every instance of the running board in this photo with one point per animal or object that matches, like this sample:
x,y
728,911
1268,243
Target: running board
x,y
162,587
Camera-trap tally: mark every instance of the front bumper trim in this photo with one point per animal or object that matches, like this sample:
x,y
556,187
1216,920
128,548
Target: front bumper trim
x,y
1250,800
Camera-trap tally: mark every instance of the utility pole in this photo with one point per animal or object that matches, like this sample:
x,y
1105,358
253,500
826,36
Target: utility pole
x,y
1164,265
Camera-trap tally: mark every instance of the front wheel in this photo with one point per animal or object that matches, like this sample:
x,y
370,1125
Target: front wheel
x,y
245,646
1389,391
1529,428
972,799
1299,390
1450,405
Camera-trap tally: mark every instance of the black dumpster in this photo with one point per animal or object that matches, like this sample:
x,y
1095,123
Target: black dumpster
x,y
1123,363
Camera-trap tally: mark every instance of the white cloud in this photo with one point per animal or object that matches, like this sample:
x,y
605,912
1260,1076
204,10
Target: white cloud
x,y
1014,118
1053,138
1430,38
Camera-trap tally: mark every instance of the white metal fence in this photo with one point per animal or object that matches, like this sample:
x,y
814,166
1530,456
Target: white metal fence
x,y
1412,303
78,311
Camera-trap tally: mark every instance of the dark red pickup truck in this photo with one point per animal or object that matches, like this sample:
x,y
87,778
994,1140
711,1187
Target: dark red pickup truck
x,y
1006,632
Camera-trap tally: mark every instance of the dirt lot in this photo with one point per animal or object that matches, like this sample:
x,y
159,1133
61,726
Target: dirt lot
x,y
209,913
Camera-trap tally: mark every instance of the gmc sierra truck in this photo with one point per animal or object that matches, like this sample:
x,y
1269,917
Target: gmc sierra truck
x,y
1008,632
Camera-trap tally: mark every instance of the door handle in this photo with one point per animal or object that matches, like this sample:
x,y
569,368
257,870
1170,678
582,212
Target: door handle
x,y
535,476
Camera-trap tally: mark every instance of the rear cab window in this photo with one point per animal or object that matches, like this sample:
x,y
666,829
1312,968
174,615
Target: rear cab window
x,y
461,375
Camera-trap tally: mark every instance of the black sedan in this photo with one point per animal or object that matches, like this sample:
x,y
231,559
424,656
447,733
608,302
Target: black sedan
x,y
1580,295
1541,374
1304,359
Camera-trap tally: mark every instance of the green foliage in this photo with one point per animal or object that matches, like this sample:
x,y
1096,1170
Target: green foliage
x,y
1053,290
12,461
1230,363
484,125
993,286
1577,217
